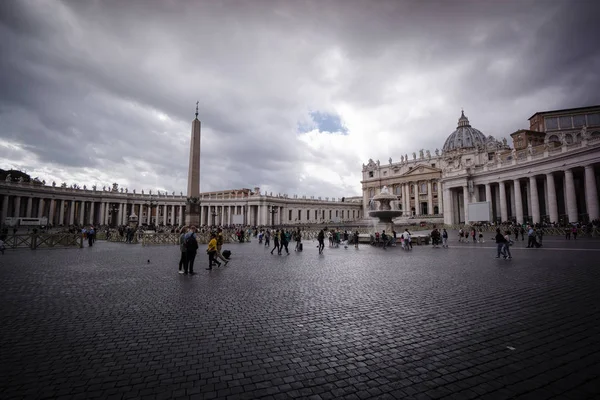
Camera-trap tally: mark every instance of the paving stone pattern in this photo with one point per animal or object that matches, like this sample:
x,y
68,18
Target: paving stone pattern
x,y
454,323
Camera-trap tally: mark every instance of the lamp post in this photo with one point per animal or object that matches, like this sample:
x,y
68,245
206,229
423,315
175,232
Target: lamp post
x,y
273,211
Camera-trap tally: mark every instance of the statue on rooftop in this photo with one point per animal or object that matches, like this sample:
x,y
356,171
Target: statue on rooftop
x,y
8,178
437,152
390,160
428,154
414,155
421,154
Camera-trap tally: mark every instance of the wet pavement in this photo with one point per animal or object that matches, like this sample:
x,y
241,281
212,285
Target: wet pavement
x,y
103,322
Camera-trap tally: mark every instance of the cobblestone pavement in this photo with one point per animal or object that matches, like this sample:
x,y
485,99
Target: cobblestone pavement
x,y
456,323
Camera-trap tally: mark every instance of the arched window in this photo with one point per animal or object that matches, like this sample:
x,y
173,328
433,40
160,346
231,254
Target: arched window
x,y
435,187
412,189
436,210
423,188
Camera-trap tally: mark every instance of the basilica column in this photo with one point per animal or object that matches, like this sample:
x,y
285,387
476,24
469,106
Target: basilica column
x,y
535,201
488,193
503,203
51,212
165,214
173,215
552,203
448,219
28,209
571,202
102,209
466,202
591,193
5,208
518,201
180,222
61,212
120,214
441,199
17,212
416,191
72,212
429,198
81,212
41,205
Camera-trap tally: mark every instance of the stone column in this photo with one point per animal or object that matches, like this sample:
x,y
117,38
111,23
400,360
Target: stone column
x,y
120,214
17,212
81,212
429,198
447,207
552,203
518,201
165,214
72,212
570,200
61,212
51,211
416,191
102,209
535,201
41,205
28,209
441,199
591,193
93,212
180,222
503,202
5,208
466,203
488,193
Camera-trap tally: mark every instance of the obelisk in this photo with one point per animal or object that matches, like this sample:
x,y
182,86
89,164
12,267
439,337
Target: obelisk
x,y
192,214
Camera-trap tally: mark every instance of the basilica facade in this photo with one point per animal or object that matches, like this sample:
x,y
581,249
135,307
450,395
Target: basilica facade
x,y
550,174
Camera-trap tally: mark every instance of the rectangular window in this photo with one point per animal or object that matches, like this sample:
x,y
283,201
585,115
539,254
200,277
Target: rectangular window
x,y
551,123
290,216
578,121
432,165
329,214
336,213
593,119
299,215
342,213
565,122
308,215
370,174
316,214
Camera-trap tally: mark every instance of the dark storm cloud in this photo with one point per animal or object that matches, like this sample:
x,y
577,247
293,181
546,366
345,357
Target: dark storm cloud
x,y
107,89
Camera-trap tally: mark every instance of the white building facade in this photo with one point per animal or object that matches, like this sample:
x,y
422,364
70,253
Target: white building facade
x,y
550,175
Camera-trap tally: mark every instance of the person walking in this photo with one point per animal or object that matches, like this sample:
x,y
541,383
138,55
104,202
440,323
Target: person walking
x,y
276,245
574,231
384,239
267,238
480,240
284,243
220,246
500,240
355,240
507,244
298,241
445,238
90,236
191,246
530,237
212,251
182,250
321,239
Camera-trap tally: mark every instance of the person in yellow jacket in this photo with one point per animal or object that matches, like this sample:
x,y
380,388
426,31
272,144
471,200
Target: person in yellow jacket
x,y
212,251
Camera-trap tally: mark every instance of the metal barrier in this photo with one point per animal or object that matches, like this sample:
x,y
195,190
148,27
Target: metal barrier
x,y
44,240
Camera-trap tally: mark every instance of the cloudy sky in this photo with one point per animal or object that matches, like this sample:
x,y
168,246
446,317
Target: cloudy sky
x,y
293,95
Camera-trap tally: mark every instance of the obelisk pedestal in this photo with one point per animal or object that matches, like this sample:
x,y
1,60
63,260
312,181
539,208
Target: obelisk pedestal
x,y
192,209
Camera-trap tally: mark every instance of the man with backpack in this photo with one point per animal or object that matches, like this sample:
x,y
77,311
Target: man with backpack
x,y
191,247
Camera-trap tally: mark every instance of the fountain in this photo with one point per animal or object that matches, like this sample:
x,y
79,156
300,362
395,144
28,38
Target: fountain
x,y
383,210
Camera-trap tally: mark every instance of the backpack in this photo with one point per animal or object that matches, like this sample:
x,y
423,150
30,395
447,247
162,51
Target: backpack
x,y
191,244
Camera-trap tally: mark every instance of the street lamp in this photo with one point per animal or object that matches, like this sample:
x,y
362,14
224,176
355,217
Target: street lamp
x,y
214,217
273,211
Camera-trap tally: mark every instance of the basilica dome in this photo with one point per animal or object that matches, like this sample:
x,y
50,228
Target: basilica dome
x,y
464,136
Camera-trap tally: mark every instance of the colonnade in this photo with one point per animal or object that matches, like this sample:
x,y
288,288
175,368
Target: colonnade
x,y
420,195
564,196
81,212
269,214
